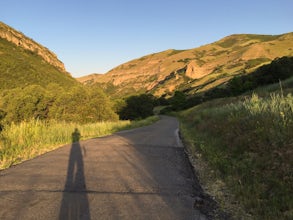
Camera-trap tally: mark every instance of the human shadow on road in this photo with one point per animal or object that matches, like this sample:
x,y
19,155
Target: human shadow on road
x,y
75,203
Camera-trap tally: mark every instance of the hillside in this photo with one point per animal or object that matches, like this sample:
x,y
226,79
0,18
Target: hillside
x,y
194,70
25,62
249,159
35,85
24,42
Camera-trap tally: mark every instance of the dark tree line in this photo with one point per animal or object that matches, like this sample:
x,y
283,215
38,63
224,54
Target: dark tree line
x,y
137,107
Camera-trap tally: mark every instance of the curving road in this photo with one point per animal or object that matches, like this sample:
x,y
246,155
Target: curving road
x,y
136,174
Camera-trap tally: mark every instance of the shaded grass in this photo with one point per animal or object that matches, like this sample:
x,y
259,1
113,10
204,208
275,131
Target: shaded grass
x,y
249,143
23,141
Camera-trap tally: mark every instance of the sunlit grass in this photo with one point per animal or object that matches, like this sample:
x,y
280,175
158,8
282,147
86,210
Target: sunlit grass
x,y
19,142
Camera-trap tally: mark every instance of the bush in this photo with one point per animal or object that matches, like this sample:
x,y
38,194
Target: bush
x,y
78,104
137,107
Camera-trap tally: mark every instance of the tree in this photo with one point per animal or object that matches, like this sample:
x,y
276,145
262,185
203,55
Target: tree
x,y
26,103
83,105
137,107
102,109
178,101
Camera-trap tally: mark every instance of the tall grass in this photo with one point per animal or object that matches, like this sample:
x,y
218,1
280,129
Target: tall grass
x,y
250,143
19,142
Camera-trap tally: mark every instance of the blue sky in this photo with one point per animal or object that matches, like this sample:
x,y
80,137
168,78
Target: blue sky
x,y
94,36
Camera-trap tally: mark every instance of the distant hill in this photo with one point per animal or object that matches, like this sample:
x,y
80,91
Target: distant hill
x,y
194,70
89,79
24,62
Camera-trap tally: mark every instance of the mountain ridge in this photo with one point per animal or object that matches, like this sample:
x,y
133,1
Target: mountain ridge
x,y
19,39
193,70
23,62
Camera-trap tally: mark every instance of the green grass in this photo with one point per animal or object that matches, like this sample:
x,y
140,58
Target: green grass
x,y
249,143
23,141
28,68
256,62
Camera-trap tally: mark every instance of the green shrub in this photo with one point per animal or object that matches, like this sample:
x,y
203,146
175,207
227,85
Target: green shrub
x,y
137,107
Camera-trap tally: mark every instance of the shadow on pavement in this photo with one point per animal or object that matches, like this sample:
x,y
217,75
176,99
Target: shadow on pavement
x,y
75,204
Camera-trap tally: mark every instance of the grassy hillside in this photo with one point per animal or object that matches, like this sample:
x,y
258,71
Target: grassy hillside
x,y
35,85
20,67
19,39
247,142
195,70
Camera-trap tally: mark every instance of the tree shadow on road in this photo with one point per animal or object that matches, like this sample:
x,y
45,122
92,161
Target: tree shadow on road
x,y
75,204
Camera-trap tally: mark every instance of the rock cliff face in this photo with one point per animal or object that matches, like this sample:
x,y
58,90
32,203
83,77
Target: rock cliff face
x,y
21,40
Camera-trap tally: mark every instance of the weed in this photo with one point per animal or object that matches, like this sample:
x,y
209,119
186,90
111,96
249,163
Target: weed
x,y
19,142
249,143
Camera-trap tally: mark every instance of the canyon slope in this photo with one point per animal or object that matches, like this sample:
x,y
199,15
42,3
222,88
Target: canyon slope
x,y
19,39
25,62
194,70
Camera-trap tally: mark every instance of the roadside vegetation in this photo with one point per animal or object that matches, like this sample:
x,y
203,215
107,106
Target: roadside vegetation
x,y
40,107
28,139
248,142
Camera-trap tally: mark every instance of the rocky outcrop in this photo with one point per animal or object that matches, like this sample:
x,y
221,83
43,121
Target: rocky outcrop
x,y
194,71
21,40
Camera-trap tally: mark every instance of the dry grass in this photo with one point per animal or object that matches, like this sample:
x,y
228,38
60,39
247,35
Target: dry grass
x,y
19,142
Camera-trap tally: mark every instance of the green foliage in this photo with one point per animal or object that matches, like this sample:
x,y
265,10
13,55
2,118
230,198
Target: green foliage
x,y
31,88
255,62
250,148
263,38
137,107
77,104
173,52
20,67
186,60
229,42
233,40
178,101
279,69
24,103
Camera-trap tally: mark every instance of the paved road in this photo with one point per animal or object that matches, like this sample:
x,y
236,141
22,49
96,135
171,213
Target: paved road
x,y
136,174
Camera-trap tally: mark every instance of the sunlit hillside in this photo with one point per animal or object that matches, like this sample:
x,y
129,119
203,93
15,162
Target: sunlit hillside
x,y
194,70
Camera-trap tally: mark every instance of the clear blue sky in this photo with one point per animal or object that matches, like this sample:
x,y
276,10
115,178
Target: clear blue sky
x,y
94,36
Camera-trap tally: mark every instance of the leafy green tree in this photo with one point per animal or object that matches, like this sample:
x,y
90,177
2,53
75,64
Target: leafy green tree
x,y
137,107
101,107
178,101
83,105
68,105
26,103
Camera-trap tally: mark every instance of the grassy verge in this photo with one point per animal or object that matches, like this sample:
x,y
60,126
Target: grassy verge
x,y
249,144
19,142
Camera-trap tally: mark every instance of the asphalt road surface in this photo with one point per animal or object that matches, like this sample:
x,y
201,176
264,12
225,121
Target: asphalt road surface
x,y
137,174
